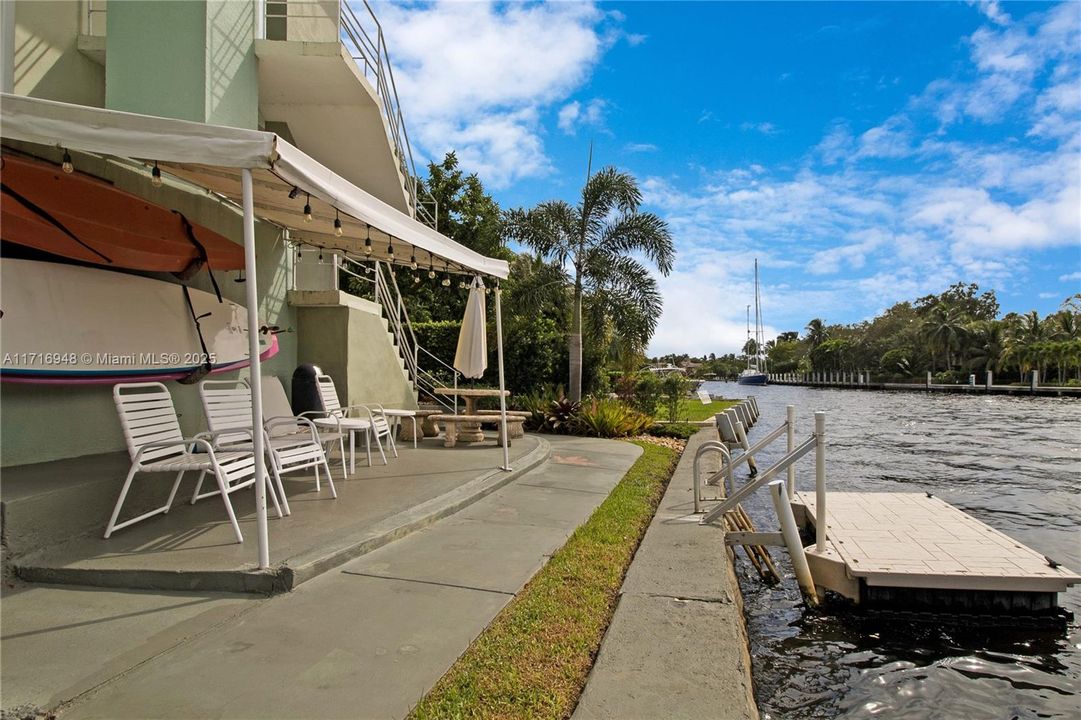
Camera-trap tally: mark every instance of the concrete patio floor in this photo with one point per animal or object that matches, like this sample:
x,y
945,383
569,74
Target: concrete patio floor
x,y
365,640
192,547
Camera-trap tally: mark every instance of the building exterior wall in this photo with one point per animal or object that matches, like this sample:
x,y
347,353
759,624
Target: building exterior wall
x,y
46,59
202,68
352,345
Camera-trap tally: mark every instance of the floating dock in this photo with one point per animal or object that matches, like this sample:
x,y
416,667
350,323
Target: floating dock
x,y
918,551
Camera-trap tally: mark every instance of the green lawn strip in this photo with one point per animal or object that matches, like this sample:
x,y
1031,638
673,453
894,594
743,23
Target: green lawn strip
x,y
692,409
532,661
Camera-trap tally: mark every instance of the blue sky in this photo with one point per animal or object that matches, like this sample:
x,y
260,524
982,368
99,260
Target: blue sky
x,y
864,152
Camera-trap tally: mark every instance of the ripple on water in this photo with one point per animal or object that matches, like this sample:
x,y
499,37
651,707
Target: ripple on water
x,y
1014,463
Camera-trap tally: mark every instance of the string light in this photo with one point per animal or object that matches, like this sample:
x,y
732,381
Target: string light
x,y
431,269
67,166
390,249
413,261
337,224
446,275
155,175
416,278
368,242
308,209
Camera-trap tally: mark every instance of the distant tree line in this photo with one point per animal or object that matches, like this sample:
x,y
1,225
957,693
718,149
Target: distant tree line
x,y
951,334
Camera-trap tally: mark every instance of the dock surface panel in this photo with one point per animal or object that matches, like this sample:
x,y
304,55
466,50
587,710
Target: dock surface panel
x,y
915,541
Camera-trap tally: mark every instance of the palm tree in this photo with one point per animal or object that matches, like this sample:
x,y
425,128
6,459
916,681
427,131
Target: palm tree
x,y
594,240
988,345
944,330
816,332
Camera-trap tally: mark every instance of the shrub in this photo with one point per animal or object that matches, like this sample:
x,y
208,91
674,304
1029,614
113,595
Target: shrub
x,y
681,431
611,419
647,394
674,386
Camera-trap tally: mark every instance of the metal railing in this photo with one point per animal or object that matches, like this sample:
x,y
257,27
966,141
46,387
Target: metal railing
x,y
426,371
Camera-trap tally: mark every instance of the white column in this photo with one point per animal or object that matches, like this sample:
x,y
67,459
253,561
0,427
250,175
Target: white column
x,y
256,366
820,481
791,420
502,387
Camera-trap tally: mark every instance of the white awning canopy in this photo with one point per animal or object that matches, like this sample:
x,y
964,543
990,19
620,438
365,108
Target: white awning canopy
x,y
214,157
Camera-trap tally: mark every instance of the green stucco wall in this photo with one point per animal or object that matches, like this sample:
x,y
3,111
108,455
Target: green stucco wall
x,y
47,61
43,422
184,59
354,347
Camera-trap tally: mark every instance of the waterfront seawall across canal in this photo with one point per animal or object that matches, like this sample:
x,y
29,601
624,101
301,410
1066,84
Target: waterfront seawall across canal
x,y
977,389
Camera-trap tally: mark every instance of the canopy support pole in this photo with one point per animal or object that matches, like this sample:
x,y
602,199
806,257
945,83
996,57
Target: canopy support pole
x,y
256,364
502,388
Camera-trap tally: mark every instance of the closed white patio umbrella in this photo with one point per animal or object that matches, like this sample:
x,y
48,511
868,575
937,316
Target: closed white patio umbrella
x,y
471,357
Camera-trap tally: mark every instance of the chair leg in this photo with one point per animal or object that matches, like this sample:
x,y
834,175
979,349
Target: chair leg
x,y
368,445
330,478
120,501
414,418
223,488
318,487
275,493
281,488
198,486
176,486
379,444
353,452
393,447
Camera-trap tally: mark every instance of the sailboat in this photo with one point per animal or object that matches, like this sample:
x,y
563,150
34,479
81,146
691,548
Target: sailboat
x,y
755,374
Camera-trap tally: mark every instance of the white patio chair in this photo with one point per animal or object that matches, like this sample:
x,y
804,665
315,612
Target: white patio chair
x,y
335,416
227,405
155,444
279,421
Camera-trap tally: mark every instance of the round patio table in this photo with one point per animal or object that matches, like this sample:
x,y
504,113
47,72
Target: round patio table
x,y
470,432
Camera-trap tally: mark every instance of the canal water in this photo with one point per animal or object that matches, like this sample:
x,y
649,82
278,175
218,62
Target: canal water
x,y
1012,462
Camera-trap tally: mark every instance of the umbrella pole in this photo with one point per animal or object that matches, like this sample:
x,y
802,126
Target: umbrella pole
x,y
502,392
256,370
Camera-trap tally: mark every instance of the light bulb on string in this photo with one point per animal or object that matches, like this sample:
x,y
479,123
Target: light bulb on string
x,y
67,166
308,209
368,242
431,269
390,251
155,175
337,224
413,261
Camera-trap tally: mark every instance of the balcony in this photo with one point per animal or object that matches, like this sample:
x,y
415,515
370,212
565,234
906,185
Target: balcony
x,y
324,71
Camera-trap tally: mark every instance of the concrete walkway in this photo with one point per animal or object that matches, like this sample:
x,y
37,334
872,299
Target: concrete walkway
x,y
365,640
677,645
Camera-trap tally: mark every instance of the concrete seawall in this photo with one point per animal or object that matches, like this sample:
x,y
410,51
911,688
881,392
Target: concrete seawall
x,y
1038,391
677,646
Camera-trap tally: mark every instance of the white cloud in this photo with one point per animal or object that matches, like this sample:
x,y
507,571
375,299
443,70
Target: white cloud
x,y
766,128
574,115
1070,277
475,77
640,147
992,10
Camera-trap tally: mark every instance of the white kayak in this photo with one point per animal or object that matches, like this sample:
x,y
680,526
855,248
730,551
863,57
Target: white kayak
x,y
71,324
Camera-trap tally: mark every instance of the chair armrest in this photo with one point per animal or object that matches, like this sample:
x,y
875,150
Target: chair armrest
x,y
182,442
295,421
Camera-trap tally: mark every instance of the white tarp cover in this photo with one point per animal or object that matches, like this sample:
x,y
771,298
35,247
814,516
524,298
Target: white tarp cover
x,y
471,357
166,140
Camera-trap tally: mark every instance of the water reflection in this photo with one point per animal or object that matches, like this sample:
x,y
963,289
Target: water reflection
x,y
1012,462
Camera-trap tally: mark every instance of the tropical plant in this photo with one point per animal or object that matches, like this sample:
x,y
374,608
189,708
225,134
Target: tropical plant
x,y
562,415
611,418
593,241
816,332
647,393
